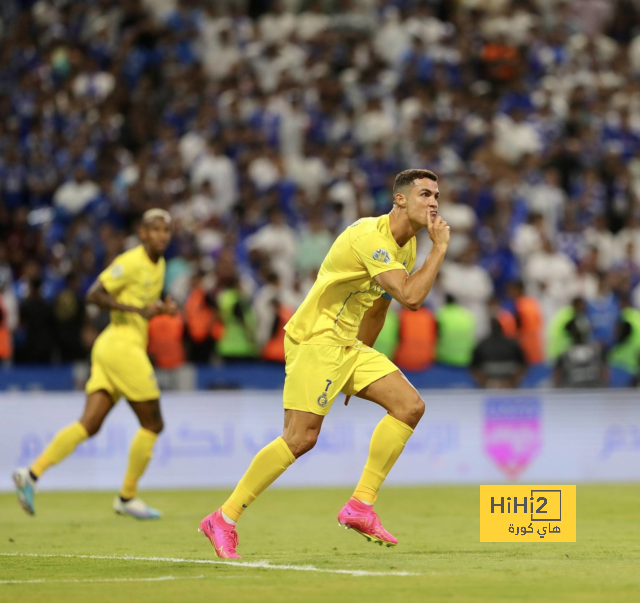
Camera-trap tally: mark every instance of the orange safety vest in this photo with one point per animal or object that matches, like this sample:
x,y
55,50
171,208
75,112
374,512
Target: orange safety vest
x,y
200,317
274,348
6,345
531,327
165,341
508,324
418,334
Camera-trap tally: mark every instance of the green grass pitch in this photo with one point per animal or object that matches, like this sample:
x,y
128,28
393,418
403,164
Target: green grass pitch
x,y
438,530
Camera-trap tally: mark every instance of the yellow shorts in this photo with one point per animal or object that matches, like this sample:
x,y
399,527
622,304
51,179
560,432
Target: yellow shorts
x,y
316,374
122,368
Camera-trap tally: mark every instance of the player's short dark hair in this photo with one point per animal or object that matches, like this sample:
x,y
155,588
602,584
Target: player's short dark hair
x,y
407,178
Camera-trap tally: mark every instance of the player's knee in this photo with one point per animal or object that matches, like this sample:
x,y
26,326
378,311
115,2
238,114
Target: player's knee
x,y
417,408
413,410
303,443
92,426
156,426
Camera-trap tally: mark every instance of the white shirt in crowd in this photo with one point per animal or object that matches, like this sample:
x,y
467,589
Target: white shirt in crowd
x,y
221,172
472,287
74,196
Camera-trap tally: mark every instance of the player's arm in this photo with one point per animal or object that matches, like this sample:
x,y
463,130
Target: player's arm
x,y
373,321
412,290
99,296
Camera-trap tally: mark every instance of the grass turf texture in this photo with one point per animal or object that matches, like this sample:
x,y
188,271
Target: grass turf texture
x,y
438,530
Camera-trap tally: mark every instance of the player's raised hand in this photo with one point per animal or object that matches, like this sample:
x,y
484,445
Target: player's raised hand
x,y
438,231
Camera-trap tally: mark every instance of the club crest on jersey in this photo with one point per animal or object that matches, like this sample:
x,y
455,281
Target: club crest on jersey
x,y
116,271
322,400
382,255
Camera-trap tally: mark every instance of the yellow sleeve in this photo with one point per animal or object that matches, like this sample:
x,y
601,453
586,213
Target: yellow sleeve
x,y
414,253
375,253
118,274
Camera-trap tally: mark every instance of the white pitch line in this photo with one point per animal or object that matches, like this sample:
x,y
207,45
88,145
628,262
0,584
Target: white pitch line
x,y
78,580
251,564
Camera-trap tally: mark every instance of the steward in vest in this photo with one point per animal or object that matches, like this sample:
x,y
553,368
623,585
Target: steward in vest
x,y
529,323
625,354
200,319
559,339
274,348
417,346
236,314
166,347
583,363
456,334
387,341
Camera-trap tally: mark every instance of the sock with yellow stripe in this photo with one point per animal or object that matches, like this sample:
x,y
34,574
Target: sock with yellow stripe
x,y
139,456
387,442
62,445
267,466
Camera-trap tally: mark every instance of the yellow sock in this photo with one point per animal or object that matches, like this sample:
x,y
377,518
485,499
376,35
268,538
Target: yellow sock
x,y
139,456
267,466
62,445
387,442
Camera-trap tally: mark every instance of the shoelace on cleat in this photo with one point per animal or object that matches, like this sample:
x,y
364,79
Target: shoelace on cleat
x,y
230,538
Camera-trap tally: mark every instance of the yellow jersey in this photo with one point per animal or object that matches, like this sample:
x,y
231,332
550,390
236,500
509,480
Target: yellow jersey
x,y
345,288
133,279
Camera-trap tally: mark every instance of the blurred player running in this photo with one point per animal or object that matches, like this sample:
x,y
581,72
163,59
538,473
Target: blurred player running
x,y
130,288
328,351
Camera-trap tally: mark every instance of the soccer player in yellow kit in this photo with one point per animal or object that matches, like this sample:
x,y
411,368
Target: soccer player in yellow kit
x,y
328,350
130,288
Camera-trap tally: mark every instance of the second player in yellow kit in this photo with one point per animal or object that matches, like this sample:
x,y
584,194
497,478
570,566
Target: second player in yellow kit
x,y
323,353
328,350
119,361
130,288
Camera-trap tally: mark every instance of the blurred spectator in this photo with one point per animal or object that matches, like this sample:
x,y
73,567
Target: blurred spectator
x,y
603,311
238,321
35,341
625,354
529,323
417,339
583,363
470,284
200,321
558,337
498,361
166,345
276,243
313,246
286,121
74,195
505,318
456,334
388,338
69,316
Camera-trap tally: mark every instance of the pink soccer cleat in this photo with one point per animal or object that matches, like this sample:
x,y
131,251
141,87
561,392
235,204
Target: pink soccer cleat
x,y
361,518
222,535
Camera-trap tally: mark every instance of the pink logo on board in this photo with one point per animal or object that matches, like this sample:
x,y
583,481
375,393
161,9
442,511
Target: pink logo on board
x,y
513,433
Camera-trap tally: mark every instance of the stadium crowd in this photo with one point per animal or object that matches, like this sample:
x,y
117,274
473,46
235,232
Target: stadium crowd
x,y
266,128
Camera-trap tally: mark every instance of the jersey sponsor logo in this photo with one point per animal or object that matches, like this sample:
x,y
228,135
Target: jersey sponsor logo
x,y
116,271
382,255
